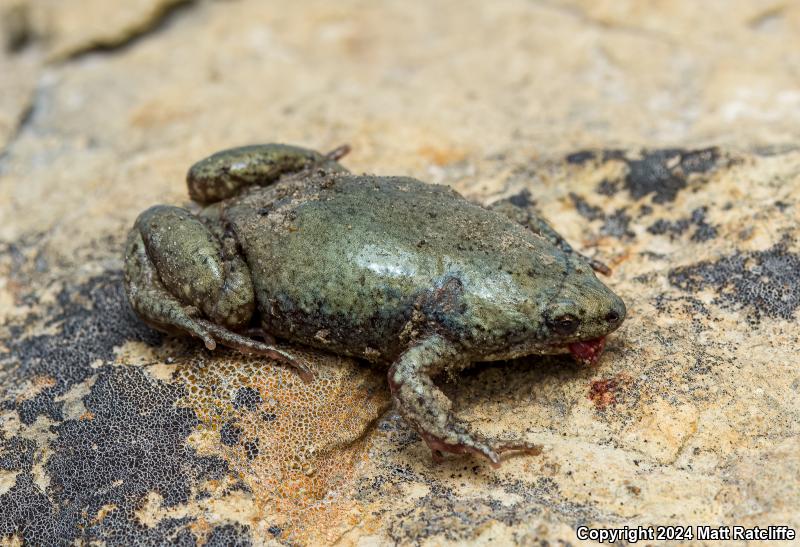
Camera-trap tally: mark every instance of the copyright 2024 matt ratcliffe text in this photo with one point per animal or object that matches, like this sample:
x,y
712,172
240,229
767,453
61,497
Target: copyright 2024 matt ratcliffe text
x,y
634,534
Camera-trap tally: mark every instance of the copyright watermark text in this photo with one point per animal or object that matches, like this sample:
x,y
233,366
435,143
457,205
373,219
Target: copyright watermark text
x,y
635,534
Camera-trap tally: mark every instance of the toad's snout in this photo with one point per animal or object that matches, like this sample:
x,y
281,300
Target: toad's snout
x,y
616,313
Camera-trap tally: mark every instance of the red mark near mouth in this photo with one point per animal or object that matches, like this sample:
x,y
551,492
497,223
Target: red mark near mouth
x,y
588,352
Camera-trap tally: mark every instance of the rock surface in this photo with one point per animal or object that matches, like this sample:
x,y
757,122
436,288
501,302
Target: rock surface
x,y
661,140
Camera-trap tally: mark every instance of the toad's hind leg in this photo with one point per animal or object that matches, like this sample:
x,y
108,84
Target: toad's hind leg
x,y
180,276
226,173
521,209
428,409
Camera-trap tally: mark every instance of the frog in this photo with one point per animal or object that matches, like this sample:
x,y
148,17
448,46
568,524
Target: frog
x,y
283,242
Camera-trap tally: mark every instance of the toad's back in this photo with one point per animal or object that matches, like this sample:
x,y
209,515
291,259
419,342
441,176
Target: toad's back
x,y
342,262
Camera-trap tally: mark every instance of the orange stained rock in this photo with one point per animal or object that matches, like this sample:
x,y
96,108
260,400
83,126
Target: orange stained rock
x,y
294,444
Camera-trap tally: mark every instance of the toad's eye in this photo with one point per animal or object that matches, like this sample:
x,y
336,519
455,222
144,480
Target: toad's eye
x,y
564,324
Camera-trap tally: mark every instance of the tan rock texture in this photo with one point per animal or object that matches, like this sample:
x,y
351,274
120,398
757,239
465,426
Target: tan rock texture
x,y
658,136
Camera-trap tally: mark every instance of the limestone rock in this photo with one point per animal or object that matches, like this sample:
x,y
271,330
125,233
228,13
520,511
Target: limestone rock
x,y
662,142
72,28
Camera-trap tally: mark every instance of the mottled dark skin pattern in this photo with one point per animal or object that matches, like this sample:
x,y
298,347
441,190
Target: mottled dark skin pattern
x,y
387,269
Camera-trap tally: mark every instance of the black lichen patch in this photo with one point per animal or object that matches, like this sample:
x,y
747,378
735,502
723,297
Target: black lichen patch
x,y
229,434
585,209
660,173
251,448
617,224
546,493
765,282
91,319
117,453
136,437
22,260
42,404
580,157
132,443
117,529
687,305
703,231
229,535
522,199
697,313
585,156
607,187
17,454
446,514
663,173
441,514
247,398
25,511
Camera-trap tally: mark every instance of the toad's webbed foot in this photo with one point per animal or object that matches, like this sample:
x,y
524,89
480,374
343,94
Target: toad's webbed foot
x,y
423,405
226,173
476,444
179,276
522,210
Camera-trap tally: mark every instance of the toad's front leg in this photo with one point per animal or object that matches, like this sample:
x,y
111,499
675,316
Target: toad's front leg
x,y
522,210
422,404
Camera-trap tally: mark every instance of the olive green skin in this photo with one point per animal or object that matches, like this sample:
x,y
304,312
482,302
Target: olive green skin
x,y
388,269
363,265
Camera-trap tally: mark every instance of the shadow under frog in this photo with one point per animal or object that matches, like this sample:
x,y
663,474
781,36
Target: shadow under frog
x,y
388,269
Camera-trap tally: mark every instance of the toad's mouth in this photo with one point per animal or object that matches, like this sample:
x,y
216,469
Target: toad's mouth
x,y
588,352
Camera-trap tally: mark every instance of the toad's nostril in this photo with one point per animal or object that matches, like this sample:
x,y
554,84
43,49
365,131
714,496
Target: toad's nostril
x,y
612,316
